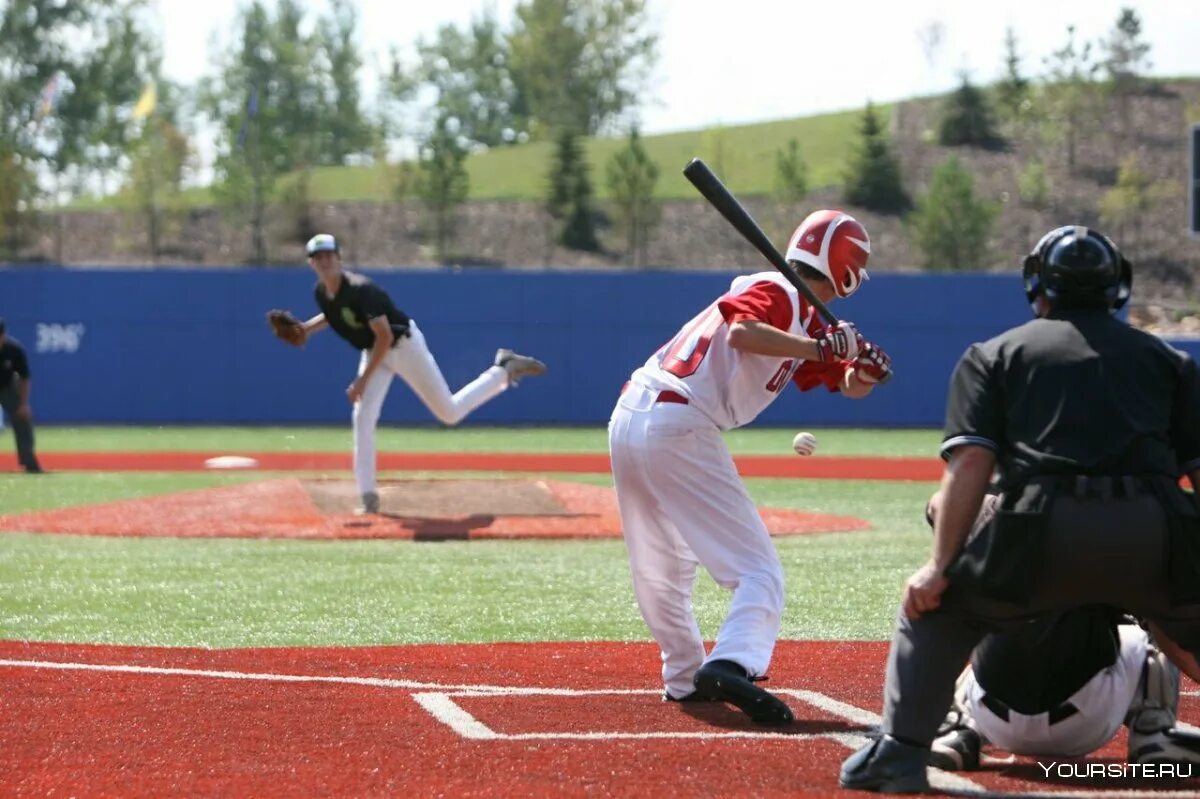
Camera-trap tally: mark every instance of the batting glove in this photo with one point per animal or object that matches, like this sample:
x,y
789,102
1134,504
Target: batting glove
x,y
872,364
840,342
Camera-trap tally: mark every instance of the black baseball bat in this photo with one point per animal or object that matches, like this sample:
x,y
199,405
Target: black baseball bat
x,y
703,178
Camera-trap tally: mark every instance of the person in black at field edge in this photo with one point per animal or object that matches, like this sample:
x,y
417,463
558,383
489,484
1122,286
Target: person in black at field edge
x,y
1089,424
15,387
392,345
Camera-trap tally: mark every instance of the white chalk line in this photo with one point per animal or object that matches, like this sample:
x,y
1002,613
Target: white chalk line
x,y
436,699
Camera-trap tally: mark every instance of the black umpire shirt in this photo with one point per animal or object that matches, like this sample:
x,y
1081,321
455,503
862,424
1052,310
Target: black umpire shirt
x,y
1078,392
1037,666
357,302
12,362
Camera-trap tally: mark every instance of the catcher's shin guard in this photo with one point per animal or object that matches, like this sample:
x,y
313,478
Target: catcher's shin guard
x,y
1156,702
1151,719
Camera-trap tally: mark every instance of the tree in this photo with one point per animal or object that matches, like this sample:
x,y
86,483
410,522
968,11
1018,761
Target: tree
x,y
967,119
1125,62
442,183
570,200
580,64
1071,91
631,180
349,130
950,225
158,157
791,174
70,70
1126,53
1124,207
470,72
246,100
1012,92
1033,185
873,176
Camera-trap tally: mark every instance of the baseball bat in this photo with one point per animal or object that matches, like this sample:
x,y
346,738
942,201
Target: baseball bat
x,y
703,178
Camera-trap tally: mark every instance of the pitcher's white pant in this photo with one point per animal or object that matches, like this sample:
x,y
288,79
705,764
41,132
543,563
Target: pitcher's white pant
x,y
1103,703
411,361
682,504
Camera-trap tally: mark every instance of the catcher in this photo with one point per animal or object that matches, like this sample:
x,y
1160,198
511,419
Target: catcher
x,y
1062,684
392,345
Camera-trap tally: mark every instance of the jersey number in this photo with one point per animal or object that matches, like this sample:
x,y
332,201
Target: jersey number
x,y
780,378
687,350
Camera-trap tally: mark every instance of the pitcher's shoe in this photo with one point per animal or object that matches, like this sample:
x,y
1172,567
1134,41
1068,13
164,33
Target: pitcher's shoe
x,y
726,681
370,504
886,766
518,366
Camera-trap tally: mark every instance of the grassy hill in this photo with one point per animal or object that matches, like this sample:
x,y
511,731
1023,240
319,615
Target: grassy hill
x,y
744,155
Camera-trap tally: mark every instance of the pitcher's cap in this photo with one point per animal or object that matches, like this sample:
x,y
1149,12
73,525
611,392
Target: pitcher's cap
x,y
322,242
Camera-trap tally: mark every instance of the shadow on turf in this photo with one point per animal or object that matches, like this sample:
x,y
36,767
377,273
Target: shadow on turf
x,y
719,714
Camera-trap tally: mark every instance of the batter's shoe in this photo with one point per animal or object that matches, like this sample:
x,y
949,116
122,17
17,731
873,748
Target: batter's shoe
x,y
886,766
1165,746
957,750
694,696
726,681
370,504
518,366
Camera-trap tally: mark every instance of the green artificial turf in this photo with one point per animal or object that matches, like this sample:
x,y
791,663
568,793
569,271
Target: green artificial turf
x,y
227,593
754,440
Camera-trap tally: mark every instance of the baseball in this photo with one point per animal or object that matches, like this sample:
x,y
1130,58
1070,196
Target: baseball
x,y
804,443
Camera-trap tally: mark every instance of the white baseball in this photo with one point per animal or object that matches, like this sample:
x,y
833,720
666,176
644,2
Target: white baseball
x,y
804,443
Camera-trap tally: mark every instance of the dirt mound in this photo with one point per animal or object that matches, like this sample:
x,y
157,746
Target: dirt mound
x,y
430,510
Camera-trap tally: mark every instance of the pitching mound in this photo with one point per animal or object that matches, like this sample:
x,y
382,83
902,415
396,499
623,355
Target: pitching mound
x,y
430,510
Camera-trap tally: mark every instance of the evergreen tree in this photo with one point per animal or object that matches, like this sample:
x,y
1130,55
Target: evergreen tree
x,y
570,198
873,176
1012,92
950,225
442,183
791,174
1071,92
631,180
967,119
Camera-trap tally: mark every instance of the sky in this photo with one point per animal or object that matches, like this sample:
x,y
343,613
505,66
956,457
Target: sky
x,y
734,61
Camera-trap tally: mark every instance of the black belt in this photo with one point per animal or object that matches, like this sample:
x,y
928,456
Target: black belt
x,y
1054,715
1086,486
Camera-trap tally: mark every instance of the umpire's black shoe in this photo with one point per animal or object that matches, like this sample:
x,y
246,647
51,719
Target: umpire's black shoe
x,y
886,766
957,750
726,681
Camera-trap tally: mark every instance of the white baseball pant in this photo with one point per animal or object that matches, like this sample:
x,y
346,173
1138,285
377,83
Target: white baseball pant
x,y
411,361
1103,703
682,503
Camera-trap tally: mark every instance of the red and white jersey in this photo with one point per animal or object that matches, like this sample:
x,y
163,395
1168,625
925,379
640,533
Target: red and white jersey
x,y
730,386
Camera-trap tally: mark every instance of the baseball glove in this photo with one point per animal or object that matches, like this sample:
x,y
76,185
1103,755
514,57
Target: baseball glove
x,y
287,327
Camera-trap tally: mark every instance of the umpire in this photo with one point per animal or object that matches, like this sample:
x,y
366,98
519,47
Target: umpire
x,y
1089,424
14,398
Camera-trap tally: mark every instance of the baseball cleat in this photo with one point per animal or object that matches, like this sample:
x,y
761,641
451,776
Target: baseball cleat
x,y
370,504
518,366
694,696
957,750
726,681
1164,746
886,766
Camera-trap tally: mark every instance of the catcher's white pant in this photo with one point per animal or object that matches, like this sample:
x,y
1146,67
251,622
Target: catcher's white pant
x,y
682,504
1103,703
411,361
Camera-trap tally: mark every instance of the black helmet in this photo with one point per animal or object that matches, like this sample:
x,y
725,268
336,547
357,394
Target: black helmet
x,y
1078,267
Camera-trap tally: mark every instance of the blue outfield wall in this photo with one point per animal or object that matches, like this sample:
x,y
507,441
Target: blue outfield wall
x,y
193,347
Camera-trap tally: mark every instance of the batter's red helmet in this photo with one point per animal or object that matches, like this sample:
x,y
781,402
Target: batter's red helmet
x,y
836,245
